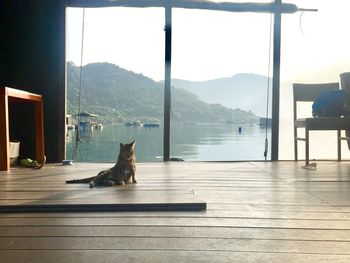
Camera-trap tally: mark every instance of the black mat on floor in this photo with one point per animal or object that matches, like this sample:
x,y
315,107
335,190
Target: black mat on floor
x,y
65,208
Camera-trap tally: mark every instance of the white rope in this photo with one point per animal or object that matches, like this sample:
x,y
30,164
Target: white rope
x,y
77,134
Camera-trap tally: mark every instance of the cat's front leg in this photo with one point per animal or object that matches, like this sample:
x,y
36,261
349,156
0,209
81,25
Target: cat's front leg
x,y
133,171
121,183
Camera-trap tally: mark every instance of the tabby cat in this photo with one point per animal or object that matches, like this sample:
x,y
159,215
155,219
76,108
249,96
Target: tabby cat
x,y
119,174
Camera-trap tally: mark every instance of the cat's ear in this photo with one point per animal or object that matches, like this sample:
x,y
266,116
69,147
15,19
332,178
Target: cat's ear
x,y
121,145
133,144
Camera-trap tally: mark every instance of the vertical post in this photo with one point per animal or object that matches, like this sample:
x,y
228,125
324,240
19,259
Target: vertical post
x,y
167,84
4,131
39,127
62,80
276,79
339,144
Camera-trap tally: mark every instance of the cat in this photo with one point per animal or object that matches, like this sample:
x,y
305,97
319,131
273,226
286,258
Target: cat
x,y
119,174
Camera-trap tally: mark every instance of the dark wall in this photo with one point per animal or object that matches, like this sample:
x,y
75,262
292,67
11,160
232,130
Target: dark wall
x,y
32,58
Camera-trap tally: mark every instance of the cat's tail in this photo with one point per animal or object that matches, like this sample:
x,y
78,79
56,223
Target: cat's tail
x,y
81,181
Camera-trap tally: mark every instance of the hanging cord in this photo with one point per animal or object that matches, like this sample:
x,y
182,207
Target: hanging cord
x,y
77,134
268,93
301,23
302,10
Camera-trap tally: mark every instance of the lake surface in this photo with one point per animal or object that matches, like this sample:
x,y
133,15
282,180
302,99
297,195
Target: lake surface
x,y
191,142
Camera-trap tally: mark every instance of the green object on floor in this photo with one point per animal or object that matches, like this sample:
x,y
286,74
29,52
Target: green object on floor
x,y
27,162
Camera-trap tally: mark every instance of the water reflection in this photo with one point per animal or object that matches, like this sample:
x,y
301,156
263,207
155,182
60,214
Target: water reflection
x,y
206,142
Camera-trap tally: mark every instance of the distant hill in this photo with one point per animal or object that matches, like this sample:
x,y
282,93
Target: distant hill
x,y
119,95
244,91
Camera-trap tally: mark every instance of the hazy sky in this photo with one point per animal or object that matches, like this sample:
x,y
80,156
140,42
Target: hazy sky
x,y
211,44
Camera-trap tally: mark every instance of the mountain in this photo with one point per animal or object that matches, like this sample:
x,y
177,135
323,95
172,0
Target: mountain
x,y
244,91
119,95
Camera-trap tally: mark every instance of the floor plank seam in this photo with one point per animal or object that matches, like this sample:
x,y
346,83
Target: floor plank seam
x,y
181,250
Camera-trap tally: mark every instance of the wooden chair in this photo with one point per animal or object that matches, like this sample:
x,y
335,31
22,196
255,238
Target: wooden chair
x,y
309,92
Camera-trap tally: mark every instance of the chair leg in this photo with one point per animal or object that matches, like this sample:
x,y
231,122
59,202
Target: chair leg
x,y
39,127
295,149
339,144
295,145
4,132
306,146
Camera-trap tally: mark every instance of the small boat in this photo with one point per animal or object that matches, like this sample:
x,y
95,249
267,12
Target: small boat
x,y
133,124
265,122
151,125
87,121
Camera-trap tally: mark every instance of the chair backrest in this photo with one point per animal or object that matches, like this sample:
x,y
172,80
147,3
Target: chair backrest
x,y
309,92
345,81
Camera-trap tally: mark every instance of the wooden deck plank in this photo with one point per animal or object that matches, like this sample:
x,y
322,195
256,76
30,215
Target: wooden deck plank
x,y
177,232
146,256
261,214
158,196
203,222
184,244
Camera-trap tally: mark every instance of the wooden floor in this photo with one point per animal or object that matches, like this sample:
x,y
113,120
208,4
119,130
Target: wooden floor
x,y
256,212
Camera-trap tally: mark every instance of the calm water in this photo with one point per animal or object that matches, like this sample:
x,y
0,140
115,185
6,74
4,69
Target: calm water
x,y
211,142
